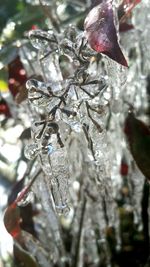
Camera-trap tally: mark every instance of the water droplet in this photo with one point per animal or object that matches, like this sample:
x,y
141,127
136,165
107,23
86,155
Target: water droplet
x,y
29,197
31,151
37,93
39,39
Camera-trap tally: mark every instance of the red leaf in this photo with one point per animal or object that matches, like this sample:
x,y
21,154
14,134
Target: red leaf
x,y
17,76
101,32
4,109
12,217
123,27
12,220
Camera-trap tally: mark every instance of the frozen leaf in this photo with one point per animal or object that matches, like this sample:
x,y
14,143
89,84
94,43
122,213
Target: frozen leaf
x,y
138,136
4,108
101,32
12,217
124,13
12,220
17,76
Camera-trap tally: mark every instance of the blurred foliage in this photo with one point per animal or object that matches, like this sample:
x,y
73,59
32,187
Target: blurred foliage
x,y
8,9
23,21
17,18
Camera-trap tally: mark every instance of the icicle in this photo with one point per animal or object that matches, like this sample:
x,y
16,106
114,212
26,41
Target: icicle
x,y
41,39
137,187
52,221
38,93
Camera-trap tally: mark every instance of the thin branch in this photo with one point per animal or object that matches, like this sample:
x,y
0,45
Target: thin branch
x,y
77,248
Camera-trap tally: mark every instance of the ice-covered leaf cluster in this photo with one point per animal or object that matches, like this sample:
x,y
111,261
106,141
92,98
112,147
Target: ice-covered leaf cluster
x,y
78,105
